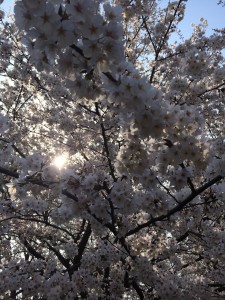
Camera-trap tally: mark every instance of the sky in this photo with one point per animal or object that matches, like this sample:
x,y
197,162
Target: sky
x,y
209,10
196,9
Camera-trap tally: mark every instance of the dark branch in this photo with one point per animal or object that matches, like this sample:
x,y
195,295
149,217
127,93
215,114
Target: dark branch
x,y
177,208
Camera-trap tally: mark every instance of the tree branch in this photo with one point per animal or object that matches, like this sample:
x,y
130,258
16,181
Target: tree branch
x,y
177,208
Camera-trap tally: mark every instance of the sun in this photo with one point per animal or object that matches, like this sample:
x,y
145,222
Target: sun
x,y
60,161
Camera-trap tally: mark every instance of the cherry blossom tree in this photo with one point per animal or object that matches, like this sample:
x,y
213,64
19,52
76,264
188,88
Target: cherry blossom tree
x,y
112,153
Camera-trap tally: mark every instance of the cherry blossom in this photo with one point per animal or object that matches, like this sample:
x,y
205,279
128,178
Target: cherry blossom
x,y
112,153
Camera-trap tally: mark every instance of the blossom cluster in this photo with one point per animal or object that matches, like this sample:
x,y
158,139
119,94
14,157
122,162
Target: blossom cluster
x,y
137,209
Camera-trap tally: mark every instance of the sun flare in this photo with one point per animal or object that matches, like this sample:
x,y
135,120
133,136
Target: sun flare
x,y
60,161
